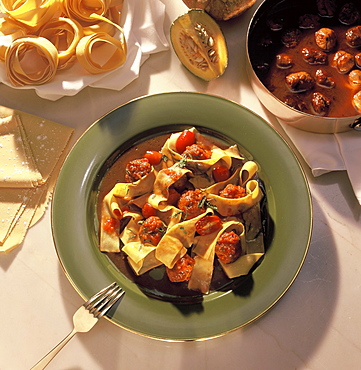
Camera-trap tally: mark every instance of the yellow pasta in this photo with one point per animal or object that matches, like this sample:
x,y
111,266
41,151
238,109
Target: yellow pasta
x,y
31,61
85,52
84,31
63,32
32,13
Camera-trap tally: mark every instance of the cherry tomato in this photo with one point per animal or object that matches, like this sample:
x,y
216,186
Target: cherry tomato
x,y
221,173
110,224
208,225
153,157
148,211
186,138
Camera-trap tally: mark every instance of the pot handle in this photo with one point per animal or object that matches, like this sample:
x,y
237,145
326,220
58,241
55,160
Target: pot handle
x,y
356,124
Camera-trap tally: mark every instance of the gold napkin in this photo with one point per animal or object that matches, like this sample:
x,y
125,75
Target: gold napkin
x,y
32,151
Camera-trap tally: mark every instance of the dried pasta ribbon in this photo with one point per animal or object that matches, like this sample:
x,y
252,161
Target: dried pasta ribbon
x,y
31,61
90,11
86,56
63,32
33,13
83,24
102,25
10,30
10,26
84,10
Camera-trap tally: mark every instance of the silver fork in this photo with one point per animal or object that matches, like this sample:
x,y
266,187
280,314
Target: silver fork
x,y
85,318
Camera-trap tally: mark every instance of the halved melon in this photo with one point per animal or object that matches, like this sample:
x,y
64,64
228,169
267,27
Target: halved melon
x,y
199,44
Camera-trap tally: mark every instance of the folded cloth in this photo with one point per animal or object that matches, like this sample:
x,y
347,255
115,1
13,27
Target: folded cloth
x,y
142,21
330,152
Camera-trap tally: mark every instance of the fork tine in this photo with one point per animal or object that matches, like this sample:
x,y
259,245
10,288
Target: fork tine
x,y
99,308
101,302
106,306
100,294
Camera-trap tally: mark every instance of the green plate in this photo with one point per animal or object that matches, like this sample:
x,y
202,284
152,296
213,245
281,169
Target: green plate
x,y
75,224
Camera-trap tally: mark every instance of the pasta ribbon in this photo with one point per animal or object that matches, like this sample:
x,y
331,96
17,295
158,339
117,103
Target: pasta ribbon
x,y
32,13
10,30
63,31
86,9
204,250
86,56
97,16
113,15
43,65
253,244
87,31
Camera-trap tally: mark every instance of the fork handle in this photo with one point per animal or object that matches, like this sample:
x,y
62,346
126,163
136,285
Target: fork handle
x,y
47,358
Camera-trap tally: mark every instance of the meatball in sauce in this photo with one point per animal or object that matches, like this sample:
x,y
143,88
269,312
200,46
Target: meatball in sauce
x,y
308,63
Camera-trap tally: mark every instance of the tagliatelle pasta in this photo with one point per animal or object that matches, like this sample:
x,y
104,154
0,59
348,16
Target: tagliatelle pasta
x,y
160,217
32,13
105,23
43,65
63,31
83,31
86,10
85,53
10,31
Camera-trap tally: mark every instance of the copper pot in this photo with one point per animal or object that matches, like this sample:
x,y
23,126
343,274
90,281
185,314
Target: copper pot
x,y
285,113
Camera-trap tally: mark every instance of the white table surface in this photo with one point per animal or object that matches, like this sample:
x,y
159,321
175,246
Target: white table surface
x,y
316,325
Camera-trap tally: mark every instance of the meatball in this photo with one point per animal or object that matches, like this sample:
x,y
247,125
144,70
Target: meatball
x,y
353,37
299,82
275,23
295,102
323,79
349,14
196,152
354,77
284,61
358,60
137,169
176,180
326,8
291,37
181,184
233,192
228,247
190,203
320,104
182,270
313,56
356,101
343,61
309,21
152,230
325,39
